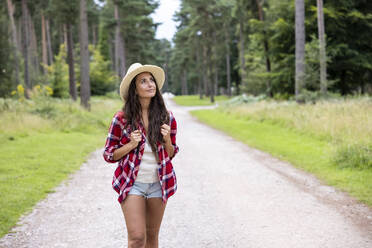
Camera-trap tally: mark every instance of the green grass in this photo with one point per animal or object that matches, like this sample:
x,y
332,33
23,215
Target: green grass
x,y
194,100
304,151
32,166
44,148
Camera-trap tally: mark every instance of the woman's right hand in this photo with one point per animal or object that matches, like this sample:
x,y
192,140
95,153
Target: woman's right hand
x,y
135,137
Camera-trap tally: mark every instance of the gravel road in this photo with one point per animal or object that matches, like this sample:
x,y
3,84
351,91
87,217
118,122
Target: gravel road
x,y
229,195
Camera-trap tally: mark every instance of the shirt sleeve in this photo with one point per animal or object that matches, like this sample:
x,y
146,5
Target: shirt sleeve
x,y
113,139
173,126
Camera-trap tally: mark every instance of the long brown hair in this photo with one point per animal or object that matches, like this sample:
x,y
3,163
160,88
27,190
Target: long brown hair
x,y
158,113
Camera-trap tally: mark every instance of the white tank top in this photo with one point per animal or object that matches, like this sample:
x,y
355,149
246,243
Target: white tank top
x,y
148,168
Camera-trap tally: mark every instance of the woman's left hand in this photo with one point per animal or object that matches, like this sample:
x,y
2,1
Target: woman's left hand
x,y
165,131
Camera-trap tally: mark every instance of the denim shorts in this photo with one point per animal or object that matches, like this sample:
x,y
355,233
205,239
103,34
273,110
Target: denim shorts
x,y
147,190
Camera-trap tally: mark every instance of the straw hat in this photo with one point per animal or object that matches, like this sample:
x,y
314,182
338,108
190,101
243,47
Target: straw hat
x,y
136,69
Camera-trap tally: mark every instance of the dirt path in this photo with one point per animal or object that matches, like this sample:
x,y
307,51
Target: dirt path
x,y
229,195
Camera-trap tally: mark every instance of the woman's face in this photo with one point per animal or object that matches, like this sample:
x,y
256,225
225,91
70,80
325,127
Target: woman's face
x,y
145,85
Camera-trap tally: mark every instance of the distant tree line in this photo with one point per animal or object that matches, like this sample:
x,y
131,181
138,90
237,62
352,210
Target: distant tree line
x,y
78,47
273,47
279,48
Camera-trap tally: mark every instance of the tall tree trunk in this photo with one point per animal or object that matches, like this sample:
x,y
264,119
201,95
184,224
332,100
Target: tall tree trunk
x,y
205,76
210,74
166,84
70,60
184,88
242,59
300,46
214,66
94,34
14,39
112,55
215,71
84,54
65,38
49,43
228,69
33,51
43,43
266,48
120,63
199,68
25,47
322,48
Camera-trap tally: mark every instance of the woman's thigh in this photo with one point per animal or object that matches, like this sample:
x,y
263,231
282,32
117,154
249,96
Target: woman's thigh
x,y
134,210
154,213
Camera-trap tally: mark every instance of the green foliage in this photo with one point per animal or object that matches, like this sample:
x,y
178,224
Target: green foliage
x,y
58,74
103,43
6,68
102,79
137,27
66,11
348,44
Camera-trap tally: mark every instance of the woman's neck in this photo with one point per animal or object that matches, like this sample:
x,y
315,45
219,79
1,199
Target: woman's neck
x,y
145,104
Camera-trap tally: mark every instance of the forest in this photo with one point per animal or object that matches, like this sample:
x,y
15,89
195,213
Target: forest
x,y
279,49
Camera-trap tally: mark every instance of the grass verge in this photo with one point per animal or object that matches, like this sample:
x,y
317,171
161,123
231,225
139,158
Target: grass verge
x,y
304,151
194,100
41,144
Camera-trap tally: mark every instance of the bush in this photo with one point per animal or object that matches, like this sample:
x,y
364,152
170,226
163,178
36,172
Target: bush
x,y
102,79
58,74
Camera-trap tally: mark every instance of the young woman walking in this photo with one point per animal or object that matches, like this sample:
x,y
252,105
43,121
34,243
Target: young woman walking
x,y
142,139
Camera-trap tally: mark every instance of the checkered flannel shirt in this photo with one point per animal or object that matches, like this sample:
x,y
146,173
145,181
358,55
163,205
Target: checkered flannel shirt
x,y
128,166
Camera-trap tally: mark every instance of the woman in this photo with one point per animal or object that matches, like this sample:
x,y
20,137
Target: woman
x,y
142,138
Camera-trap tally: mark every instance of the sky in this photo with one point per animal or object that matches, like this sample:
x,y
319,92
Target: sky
x,y
164,14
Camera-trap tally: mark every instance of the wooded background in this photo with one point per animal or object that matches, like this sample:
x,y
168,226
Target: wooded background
x,y
280,48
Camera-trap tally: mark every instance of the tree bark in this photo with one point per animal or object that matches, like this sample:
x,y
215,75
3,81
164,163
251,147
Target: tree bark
x,y
199,66
120,63
322,48
33,51
49,43
70,60
14,39
184,88
94,34
84,54
205,76
214,66
210,74
25,48
266,49
165,66
300,47
228,69
65,37
242,59
44,43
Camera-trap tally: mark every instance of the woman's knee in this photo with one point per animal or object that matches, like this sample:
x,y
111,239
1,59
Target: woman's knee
x,y
137,240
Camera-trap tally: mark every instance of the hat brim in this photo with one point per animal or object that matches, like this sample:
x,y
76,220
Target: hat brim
x,y
156,71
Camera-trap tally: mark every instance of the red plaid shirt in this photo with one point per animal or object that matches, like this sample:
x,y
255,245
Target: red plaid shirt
x,y
128,166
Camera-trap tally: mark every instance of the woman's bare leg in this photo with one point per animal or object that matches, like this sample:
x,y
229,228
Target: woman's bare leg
x,y
154,215
134,210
